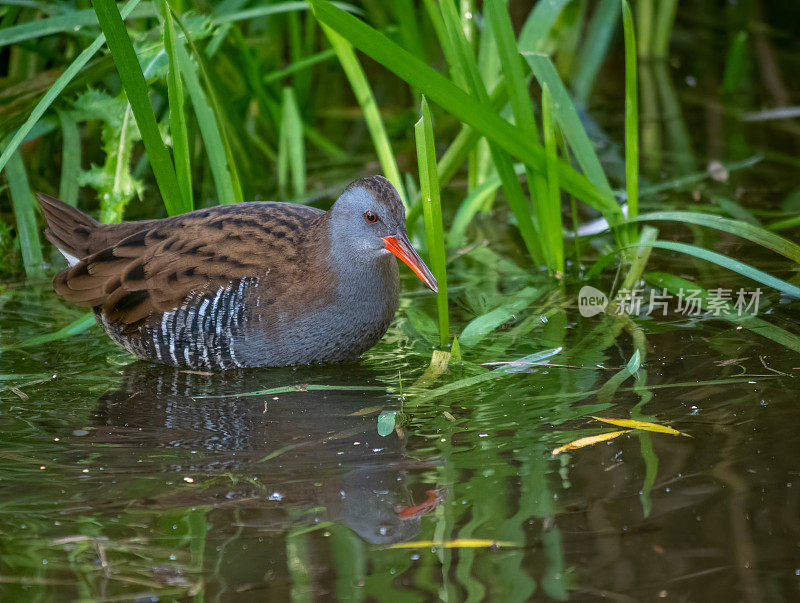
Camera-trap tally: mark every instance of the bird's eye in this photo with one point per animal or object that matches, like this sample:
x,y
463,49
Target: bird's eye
x,y
370,216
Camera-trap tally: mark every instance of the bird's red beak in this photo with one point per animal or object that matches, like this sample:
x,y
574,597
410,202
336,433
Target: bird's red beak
x,y
401,247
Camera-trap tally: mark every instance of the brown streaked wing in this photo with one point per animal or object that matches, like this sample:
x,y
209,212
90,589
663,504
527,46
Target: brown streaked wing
x,y
155,270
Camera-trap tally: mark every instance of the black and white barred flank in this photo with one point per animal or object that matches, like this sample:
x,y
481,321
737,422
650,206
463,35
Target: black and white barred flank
x,y
202,333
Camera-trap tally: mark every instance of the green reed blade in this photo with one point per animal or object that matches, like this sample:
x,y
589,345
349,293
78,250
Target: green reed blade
x,y
753,233
533,34
450,97
595,48
522,107
662,29
735,64
219,116
409,28
551,218
456,154
70,159
133,82
645,17
567,116
432,207
24,203
519,204
291,148
39,28
447,43
280,7
631,113
358,82
177,113
300,65
209,128
57,88
71,21
225,7
710,256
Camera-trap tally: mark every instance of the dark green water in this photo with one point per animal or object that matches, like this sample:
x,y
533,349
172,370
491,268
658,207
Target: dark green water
x,y
149,483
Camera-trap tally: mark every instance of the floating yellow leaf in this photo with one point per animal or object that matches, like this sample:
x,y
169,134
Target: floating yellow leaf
x,y
641,425
460,543
588,441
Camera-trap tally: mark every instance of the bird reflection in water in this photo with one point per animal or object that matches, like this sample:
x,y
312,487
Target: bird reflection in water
x,y
273,453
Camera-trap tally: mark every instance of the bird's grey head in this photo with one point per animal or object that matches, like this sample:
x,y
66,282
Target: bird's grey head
x,y
368,210
369,220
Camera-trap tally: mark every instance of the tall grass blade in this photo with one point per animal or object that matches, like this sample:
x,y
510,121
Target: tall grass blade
x,y
363,92
551,220
70,21
209,128
449,96
735,64
459,150
432,207
38,28
281,7
646,18
533,34
713,257
57,88
519,204
662,29
519,98
517,83
631,113
566,114
70,159
24,203
447,43
753,233
222,8
300,65
291,150
466,139
177,113
130,73
409,28
594,49
219,116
